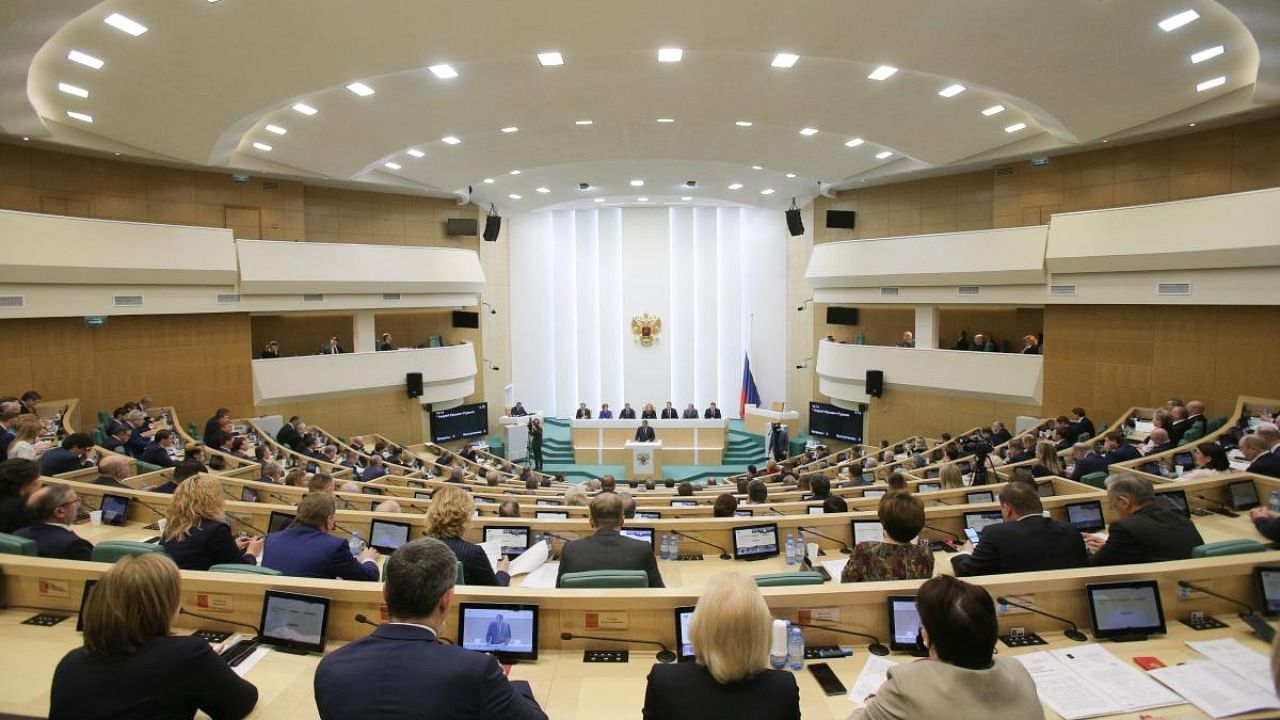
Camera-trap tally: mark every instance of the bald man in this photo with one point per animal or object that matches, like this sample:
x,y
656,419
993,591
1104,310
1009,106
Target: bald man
x,y
608,549
112,470
387,506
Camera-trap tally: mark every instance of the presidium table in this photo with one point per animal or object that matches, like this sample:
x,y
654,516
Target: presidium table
x,y
678,442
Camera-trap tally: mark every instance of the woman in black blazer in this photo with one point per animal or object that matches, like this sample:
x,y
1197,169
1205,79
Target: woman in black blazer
x,y
731,676
131,667
18,479
196,534
447,520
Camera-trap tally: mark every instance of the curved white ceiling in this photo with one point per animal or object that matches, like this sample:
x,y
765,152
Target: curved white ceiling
x,y
203,82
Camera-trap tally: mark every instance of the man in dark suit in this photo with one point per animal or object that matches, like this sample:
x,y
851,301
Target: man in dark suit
x,y
157,453
376,469
1081,424
778,442
288,434
1195,416
1260,461
1024,542
605,412
1159,439
690,412
431,679
712,413
384,343
644,433
53,508
648,413
308,549
627,412
518,410
1180,423
186,469
332,347
112,470
8,411
1146,531
584,412
669,412
1116,448
271,351
999,434
607,549
213,424
68,458
1087,461
498,632
535,443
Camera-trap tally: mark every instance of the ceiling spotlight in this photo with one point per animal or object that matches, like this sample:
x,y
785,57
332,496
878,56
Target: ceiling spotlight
x,y
883,155
391,165
784,60
666,120
85,59
687,198
809,131
542,190
304,108
767,191
450,140
584,186
743,123
70,89
262,146
1210,84
510,129
275,130
514,196
791,175
757,167
884,72
415,152
951,91
1207,54
1170,24
993,110
854,142
515,172
581,122
82,117
691,183
444,72
642,199
489,181
670,55
1016,127
550,59
129,25
360,89
637,183
599,200
736,186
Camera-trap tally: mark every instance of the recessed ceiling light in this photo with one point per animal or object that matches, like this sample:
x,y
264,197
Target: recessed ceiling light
x,y
129,25
450,140
809,131
510,129
550,59
79,116
488,181
883,154
415,152
670,55
276,129
26,138
743,123
884,72
736,186
515,172
687,198
444,72
1210,84
1016,127
543,190
262,146
85,59
637,183
304,108
854,142
791,175
514,196
1170,24
951,90
756,167
784,60
581,122
73,90
993,110
360,89
767,191
1191,124
391,165
666,120
598,200
642,199
1207,54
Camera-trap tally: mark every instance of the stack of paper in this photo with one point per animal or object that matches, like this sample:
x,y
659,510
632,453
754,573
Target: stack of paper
x,y
526,562
1233,680
1087,681
874,672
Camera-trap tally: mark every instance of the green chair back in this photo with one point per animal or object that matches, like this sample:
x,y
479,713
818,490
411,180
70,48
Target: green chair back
x,y
15,545
194,432
104,418
462,580
1191,435
99,437
1083,437
784,579
1238,546
1215,424
1095,479
605,579
243,569
112,550
145,467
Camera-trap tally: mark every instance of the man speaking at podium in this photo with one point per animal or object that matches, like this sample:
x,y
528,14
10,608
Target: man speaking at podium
x,y
498,633
644,433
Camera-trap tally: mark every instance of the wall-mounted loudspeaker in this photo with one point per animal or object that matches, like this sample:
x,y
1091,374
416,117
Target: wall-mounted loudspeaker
x,y
795,225
413,384
875,383
492,225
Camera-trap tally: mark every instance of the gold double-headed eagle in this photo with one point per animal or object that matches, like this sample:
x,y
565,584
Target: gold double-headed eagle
x,y
646,328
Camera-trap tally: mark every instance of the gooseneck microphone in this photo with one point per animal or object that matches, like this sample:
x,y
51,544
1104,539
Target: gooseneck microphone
x,y
360,618
724,554
664,655
1188,586
254,628
843,548
1072,634
875,648
1220,508
561,538
245,523
948,533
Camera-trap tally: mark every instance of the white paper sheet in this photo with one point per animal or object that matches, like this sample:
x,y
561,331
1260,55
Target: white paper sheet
x,y
1122,683
247,664
492,550
1213,688
530,559
1063,691
874,672
835,567
1231,654
543,577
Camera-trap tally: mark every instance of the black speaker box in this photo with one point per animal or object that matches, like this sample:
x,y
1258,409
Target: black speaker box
x,y
875,383
492,225
413,383
794,225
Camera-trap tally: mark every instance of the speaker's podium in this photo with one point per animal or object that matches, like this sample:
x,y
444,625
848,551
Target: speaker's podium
x,y
646,459
515,433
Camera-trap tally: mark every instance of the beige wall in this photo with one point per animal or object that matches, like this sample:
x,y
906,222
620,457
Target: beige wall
x,y
391,413
902,413
1003,323
353,216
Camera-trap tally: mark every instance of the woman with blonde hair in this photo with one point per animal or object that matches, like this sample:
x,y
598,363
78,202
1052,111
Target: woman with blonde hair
x,y
950,477
26,443
131,667
196,534
447,521
730,634
1047,462
576,496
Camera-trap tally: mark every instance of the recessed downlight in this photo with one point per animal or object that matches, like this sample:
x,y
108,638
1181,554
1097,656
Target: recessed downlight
x,y
1211,84
415,152
757,167
637,183
304,108
262,146
951,90
784,60
510,129
443,71
884,72
360,89
791,175
599,200
450,140
642,199
855,142
1174,22
686,198
993,110
1207,54
767,191
275,130
70,89
736,186
1016,127
666,120
883,155
85,59
550,59
127,24
809,132
542,190
670,55
514,172
743,123
82,117
391,165
581,122
489,181
514,196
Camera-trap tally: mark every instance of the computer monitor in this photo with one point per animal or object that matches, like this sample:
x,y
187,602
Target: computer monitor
x,y
1125,610
115,509
1177,499
509,631
385,536
1184,459
932,474
84,602
1268,579
904,626
248,494
483,500
547,501
514,539
978,519
873,493
648,515
982,496
370,490
924,487
551,515
866,531
743,513
684,645
278,521
635,533
292,621
1244,496
755,542
422,495
684,503
816,510
1045,489
1086,516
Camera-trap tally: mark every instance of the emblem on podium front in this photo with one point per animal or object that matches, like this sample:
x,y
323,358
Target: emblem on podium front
x,y
646,328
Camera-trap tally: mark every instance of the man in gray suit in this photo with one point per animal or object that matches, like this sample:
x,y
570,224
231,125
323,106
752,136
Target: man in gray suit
x,y
778,442
608,549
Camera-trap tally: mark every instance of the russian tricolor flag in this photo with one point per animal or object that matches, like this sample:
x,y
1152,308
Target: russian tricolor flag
x,y
750,395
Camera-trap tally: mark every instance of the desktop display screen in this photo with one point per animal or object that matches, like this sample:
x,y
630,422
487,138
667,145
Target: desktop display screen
x,y
84,602
1178,499
1268,578
866,531
1045,489
514,539
755,542
248,494
546,501
982,518
385,536
482,500
508,631
904,625
924,487
1184,460
648,515
370,490
295,621
422,495
551,515
979,497
684,503
684,646
1086,516
873,493
115,509
1125,608
835,422
278,521
933,474
1244,496
736,513
816,510
635,533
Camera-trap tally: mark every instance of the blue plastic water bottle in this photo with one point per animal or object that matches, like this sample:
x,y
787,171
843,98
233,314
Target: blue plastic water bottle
x,y
795,648
674,550
355,544
664,550
791,549
802,548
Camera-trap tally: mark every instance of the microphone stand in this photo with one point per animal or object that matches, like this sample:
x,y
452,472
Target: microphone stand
x,y
1221,508
1072,634
875,648
360,618
948,546
664,655
245,523
1255,621
843,547
724,554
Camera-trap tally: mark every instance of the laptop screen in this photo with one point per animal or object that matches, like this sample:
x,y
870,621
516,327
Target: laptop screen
x,y
551,515
278,521
648,515
873,493
684,646
513,539
1125,608
635,533
980,519
545,501
1177,499
1045,489
385,536
84,602
867,531
816,510
248,494
755,542
684,503
742,513
115,509
1086,516
508,631
292,620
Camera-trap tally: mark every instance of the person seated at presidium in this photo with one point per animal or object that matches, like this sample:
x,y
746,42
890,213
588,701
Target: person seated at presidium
x,y
431,679
605,412
644,433
131,667
669,412
965,681
897,556
196,534
712,413
52,509
648,413
731,677
608,549
1145,531
627,412
1024,542
583,413
307,549
690,412
447,521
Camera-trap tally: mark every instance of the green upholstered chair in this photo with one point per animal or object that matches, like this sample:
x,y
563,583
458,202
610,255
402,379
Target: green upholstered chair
x,y
1238,546
243,569
605,579
462,579
1095,479
194,432
784,579
1191,436
1215,424
112,550
1083,437
14,545
104,418
99,437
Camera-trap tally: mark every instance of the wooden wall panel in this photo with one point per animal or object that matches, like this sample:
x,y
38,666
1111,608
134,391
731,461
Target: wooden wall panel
x,y
389,412
302,334
353,216
1003,323
879,324
412,328
901,413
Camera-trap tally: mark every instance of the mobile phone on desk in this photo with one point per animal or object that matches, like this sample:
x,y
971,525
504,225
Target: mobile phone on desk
x,y
827,679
